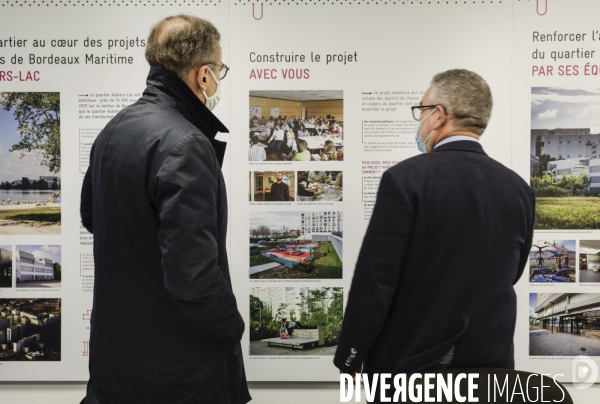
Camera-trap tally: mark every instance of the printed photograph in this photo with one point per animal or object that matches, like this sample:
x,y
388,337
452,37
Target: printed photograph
x,y
30,187
320,186
552,261
274,186
30,330
589,261
295,320
564,324
6,266
38,266
565,157
289,245
296,126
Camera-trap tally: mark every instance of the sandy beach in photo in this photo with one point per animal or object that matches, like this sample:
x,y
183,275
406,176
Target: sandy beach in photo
x,y
29,206
17,230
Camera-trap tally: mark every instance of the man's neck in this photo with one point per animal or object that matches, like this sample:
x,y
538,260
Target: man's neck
x,y
445,134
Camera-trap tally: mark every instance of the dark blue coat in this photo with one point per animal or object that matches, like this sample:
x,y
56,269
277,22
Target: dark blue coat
x,y
165,324
450,234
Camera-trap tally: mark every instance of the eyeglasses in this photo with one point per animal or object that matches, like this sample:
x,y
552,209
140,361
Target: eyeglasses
x,y
223,71
417,110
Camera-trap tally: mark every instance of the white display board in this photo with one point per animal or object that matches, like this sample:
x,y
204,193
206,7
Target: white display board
x,y
362,66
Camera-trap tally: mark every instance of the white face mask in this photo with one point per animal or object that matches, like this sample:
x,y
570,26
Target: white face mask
x,y
212,101
422,144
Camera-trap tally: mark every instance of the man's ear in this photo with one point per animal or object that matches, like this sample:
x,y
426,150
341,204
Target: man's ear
x,y
201,78
440,118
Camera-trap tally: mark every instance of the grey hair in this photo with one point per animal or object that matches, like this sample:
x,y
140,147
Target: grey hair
x,y
181,43
466,97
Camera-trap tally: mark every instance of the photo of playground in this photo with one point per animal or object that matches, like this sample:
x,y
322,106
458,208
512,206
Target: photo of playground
x,y
38,266
552,261
589,261
320,186
274,186
296,126
30,330
565,157
296,245
564,324
30,186
295,321
6,280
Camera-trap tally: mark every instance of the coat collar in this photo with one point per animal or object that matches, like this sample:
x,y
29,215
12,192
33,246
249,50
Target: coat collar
x,y
165,86
461,145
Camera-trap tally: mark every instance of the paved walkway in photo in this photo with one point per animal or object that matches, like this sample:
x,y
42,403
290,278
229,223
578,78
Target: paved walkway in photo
x,y
39,284
260,348
589,276
259,268
19,229
545,343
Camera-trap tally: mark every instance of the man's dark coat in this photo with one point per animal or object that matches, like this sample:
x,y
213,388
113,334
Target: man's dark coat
x,y
165,325
450,234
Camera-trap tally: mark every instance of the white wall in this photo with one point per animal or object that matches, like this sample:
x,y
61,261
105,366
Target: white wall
x,y
262,393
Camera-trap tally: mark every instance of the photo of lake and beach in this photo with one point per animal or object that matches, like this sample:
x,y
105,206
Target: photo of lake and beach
x,y
30,182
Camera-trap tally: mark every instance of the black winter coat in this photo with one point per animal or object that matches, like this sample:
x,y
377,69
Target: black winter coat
x,y
165,324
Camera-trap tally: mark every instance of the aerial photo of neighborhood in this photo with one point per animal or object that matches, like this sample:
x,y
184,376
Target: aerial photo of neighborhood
x,y
30,329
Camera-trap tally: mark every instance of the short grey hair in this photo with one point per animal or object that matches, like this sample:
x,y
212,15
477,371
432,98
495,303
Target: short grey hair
x,y
181,43
466,97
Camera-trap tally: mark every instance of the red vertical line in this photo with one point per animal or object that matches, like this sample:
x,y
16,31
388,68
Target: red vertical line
x,y
538,8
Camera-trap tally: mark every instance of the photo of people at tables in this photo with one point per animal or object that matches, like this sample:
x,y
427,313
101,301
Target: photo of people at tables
x,y
296,126
323,186
274,186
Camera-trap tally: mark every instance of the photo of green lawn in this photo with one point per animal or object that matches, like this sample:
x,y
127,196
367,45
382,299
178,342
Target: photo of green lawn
x,y
567,213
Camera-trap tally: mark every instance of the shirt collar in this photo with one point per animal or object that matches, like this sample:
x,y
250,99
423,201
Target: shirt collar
x,y
455,139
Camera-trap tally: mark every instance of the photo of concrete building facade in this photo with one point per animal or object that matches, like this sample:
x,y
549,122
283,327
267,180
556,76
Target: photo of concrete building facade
x,y
564,324
275,298
38,266
571,151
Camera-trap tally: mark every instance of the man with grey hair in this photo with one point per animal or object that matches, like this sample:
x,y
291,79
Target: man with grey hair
x,y
165,325
425,294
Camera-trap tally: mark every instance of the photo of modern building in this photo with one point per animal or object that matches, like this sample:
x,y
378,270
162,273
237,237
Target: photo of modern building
x,y
38,266
6,266
30,329
564,324
568,152
565,157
